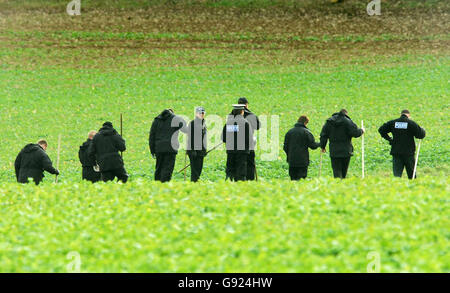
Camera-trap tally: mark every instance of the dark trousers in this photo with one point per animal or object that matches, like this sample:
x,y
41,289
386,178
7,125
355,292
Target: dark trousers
x,y
120,173
251,166
340,167
297,173
237,166
196,166
400,162
89,174
165,162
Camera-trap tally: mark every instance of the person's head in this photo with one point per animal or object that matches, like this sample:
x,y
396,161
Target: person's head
x,y
344,112
107,124
406,113
43,144
200,112
303,120
91,134
243,101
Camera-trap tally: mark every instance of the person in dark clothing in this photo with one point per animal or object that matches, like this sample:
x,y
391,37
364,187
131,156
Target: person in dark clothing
x,y
32,161
296,144
339,129
197,143
88,172
237,134
163,142
402,143
255,124
104,151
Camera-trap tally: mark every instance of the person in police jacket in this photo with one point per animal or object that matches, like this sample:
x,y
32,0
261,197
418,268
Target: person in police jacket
x,y
402,142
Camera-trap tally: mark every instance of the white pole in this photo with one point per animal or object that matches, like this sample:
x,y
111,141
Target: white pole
x,y
320,165
362,153
417,159
57,160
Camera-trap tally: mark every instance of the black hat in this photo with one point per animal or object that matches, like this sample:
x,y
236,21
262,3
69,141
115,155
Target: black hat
x,y
243,100
109,124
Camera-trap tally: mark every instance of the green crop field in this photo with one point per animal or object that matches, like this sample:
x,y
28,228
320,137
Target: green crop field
x,y
63,75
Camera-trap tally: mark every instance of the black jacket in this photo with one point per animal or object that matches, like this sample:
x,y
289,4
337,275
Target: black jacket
x,y
339,129
164,132
403,131
83,154
31,162
252,119
105,148
296,144
197,137
237,134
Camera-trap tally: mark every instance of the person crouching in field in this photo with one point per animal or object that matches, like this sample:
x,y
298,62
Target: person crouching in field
x,y
237,134
163,143
32,161
403,147
104,151
197,143
339,129
88,172
296,144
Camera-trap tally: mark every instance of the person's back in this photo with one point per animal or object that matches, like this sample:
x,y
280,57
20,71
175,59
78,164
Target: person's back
x,y
403,146
31,162
88,172
403,130
163,143
297,141
104,150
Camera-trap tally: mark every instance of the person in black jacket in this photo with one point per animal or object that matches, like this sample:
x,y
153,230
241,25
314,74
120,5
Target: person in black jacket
x,y
163,143
32,161
255,124
296,144
402,143
104,151
88,172
237,134
197,143
339,130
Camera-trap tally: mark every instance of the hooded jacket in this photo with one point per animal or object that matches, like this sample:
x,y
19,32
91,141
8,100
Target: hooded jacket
x,y
104,149
83,154
403,131
197,137
237,134
339,130
296,144
31,162
163,136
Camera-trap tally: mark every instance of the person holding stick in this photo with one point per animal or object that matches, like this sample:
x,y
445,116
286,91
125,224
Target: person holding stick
x,y
104,151
403,146
197,143
32,161
339,129
296,144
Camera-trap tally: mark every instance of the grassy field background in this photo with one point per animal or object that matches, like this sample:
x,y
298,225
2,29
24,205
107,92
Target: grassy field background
x,y
67,75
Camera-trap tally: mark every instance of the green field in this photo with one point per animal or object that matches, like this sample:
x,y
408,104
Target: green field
x,y
67,75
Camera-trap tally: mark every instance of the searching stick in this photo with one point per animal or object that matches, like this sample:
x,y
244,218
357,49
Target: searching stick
x,y
185,167
320,164
57,160
417,159
121,129
362,154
